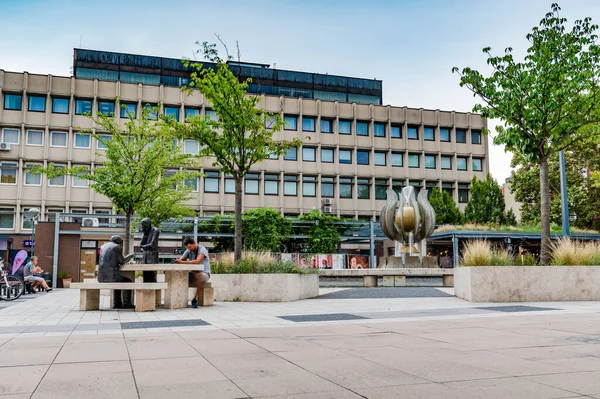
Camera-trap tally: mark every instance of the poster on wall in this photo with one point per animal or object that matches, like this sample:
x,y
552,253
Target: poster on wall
x,y
324,261
337,261
357,261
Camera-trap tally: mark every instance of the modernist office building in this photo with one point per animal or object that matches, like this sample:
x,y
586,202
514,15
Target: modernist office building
x,y
355,148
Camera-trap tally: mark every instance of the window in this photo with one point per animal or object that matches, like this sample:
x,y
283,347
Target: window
x,y
416,184
475,137
60,105
327,187
461,163
477,165
309,154
11,136
362,157
58,139
172,112
308,124
326,126
290,185
291,155
449,188
128,109
379,158
290,122
271,184
381,186
211,182
379,129
345,156
27,219
463,193
79,181
461,136
397,186
229,185
191,184
396,132
12,101
32,179
446,162
344,127
101,143
35,137
8,172
83,107
251,182
37,103
191,112
444,134
191,147
58,181
362,128
78,219
430,185
345,187
364,188
429,161
309,186
106,107
82,140
413,133
7,218
428,134
151,112
103,221
272,155
327,155
212,114
270,120
51,214
413,160
397,158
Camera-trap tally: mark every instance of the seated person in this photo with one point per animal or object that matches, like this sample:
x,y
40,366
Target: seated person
x,y
196,255
32,273
111,260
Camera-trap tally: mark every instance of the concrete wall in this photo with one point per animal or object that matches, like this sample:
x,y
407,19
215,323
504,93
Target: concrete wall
x,y
264,287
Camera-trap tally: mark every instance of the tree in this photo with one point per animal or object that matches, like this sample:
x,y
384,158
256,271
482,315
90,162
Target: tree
x,y
264,229
242,136
446,211
324,235
546,101
511,219
487,203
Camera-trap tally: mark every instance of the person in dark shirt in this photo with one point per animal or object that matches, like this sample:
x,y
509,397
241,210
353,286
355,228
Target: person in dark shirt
x,y
111,260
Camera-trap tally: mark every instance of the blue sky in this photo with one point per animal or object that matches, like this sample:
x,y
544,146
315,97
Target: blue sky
x,y
411,45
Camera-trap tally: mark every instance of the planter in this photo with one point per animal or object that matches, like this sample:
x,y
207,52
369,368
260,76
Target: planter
x,y
67,282
527,283
264,287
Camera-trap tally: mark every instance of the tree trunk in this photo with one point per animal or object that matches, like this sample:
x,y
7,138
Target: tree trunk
x,y
545,212
238,221
127,239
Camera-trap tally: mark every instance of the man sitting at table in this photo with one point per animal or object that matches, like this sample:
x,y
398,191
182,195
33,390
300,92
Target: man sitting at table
x,y
111,260
196,255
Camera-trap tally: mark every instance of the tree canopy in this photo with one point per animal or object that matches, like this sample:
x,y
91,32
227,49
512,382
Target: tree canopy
x,y
486,204
446,211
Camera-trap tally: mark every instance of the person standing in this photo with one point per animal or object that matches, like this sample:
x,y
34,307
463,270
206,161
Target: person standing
x,y
31,273
196,255
111,260
149,245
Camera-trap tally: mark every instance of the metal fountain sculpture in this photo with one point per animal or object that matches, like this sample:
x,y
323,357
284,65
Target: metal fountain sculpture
x,y
408,221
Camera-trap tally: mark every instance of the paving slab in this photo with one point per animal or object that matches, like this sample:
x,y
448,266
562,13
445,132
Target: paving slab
x,y
16,381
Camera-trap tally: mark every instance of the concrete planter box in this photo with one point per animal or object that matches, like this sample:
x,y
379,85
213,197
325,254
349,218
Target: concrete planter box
x,y
264,287
527,283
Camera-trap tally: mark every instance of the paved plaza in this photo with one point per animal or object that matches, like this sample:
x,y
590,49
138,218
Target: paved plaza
x,y
353,343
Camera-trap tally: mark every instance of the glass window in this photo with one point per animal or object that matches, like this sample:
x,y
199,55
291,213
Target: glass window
x,y
461,136
327,187
345,156
106,107
413,133
290,122
362,157
416,184
475,137
58,181
102,140
271,184
397,158
396,132
7,218
362,128
60,105
35,137
212,114
344,127
397,186
413,160
191,147
37,103
77,181
83,107
152,112
428,134
251,183
327,155
12,101
8,172
308,124
270,120
379,158
345,187
326,126
229,186
381,186
290,185
364,188
379,129
32,179
309,186
11,136
82,140
192,184
51,214
446,162
211,182
191,112
291,155
463,193
461,163
429,161
309,154
444,134
58,139
127,109
172,112
449,188
27,219
477,165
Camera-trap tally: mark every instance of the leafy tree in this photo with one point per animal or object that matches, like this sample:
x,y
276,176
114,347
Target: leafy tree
x,y
487,203
546,101
511,219
264,229
242,136
324,235
446,211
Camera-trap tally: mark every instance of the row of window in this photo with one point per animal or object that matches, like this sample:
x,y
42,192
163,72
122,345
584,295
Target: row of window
x,y
7,217
57,139
9,175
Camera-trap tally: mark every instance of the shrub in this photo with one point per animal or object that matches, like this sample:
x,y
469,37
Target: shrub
x,y
566,252
254,262
526,260
480,253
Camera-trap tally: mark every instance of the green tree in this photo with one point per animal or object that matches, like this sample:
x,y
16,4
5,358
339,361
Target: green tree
x,y
511,219
446,211
264,229
241,136
487,203
546,101
324,235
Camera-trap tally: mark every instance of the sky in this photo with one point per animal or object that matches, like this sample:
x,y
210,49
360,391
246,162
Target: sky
x,y
411,45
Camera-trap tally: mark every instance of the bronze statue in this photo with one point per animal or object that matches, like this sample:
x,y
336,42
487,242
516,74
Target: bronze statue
x,y
111,260
149,245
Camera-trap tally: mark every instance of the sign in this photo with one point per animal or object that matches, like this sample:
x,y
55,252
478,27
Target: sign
x,y
28,243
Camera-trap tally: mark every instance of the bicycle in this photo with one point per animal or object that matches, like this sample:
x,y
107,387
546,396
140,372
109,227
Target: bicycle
x,y
11,287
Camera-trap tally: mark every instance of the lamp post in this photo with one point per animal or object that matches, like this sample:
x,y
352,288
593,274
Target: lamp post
x,y
35,213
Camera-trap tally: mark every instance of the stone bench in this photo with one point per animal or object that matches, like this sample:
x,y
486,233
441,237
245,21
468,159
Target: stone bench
x,y
207,294
370,275
145,294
